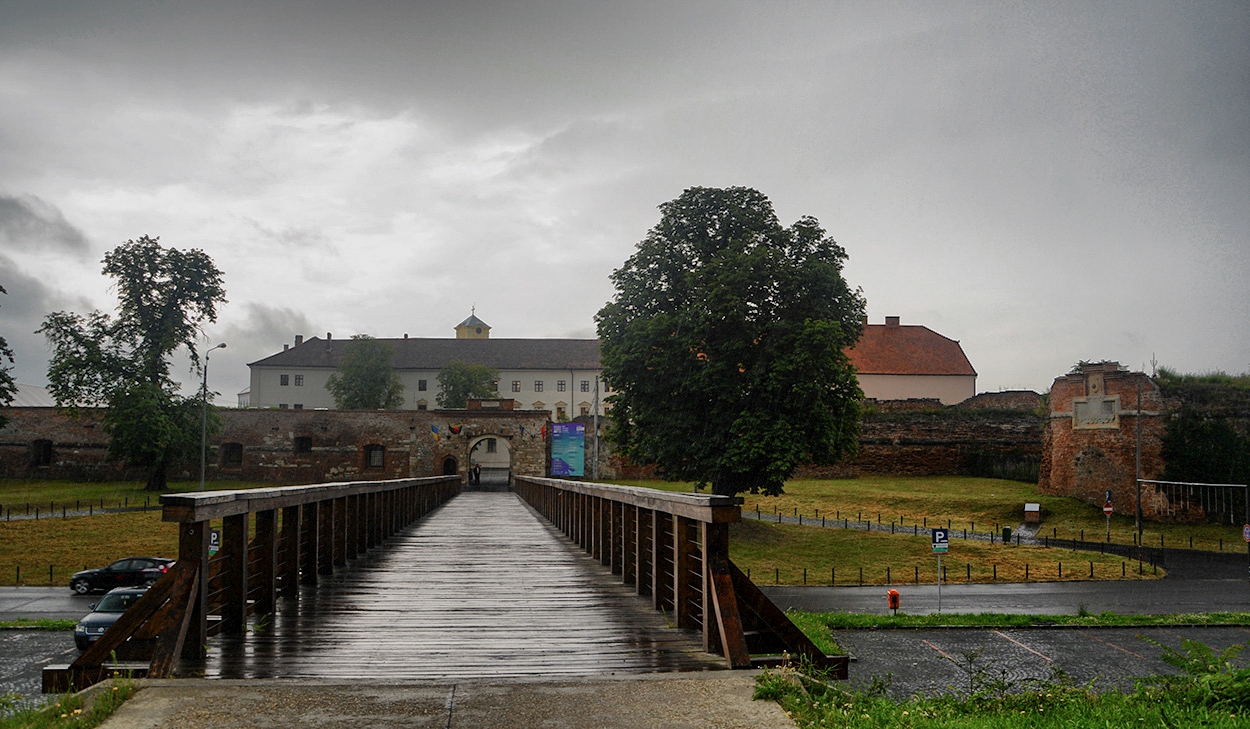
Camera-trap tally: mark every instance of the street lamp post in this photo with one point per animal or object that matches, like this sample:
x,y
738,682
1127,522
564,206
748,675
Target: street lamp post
x,y
204,415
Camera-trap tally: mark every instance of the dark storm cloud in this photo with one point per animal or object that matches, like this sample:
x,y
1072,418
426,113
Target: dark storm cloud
x,y
22,312
28,223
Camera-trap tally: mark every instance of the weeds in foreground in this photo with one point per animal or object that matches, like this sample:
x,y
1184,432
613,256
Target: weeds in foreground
x,y
70,711
1212,692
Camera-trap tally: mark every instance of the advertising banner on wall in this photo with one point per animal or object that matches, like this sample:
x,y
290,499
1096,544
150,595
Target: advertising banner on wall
x,y
568,449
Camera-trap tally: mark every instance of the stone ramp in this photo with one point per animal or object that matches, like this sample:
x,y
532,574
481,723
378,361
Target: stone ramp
x,y
714,700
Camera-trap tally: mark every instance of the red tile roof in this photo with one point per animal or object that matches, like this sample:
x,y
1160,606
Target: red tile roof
x,y
896,349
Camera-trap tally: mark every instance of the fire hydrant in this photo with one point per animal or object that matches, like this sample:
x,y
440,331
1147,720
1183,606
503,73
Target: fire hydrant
x,y
893,599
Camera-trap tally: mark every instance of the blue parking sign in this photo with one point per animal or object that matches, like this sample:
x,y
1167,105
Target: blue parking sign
x,y
941,541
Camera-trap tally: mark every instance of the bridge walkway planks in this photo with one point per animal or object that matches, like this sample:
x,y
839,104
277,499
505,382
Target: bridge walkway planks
x,y
481,587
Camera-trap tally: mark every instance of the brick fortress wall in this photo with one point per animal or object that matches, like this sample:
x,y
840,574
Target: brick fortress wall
x,y
925,438
260,445
1090,443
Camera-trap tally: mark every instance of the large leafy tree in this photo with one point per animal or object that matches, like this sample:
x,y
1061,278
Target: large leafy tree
x,y
123,362
459,381
724,344
365,380
8,387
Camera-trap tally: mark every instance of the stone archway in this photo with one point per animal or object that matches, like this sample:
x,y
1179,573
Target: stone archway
x,y
451,466
493,454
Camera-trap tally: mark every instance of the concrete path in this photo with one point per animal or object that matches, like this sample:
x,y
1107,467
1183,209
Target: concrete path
x,y
720,699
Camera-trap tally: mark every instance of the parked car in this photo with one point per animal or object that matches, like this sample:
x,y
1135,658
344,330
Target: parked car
x,y
127,572
104,613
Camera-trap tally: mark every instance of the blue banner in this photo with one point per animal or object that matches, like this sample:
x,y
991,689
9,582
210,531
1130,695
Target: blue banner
x,y
568,449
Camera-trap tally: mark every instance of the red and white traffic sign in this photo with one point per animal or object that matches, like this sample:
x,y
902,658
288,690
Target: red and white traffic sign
x,y
1245,532
1106,508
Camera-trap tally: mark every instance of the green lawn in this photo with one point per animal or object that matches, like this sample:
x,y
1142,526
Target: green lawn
x,y
964,502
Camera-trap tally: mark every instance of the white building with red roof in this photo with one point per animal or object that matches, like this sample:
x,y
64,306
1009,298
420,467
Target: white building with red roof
x,y
902,362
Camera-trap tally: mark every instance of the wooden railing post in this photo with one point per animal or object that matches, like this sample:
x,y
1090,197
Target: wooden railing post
x,y
338,556
265,549
325,537
193,551
288,574
309,525
234,574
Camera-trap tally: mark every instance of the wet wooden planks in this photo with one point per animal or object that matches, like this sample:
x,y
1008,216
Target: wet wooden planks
x,y
479,588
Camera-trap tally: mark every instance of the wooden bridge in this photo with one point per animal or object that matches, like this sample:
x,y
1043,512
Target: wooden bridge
x,y
446,585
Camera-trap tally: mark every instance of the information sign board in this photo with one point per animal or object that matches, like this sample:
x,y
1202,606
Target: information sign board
x,y
941,541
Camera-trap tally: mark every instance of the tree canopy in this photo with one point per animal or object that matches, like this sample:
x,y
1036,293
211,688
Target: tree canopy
x,y
164,298
8,387
724,344
365,380
459,381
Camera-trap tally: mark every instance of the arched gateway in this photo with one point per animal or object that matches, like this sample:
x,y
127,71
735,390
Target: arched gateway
x,y
492,454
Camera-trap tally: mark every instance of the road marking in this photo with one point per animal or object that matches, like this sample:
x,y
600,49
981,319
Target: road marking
x,y
945,655
1113,645
1043,656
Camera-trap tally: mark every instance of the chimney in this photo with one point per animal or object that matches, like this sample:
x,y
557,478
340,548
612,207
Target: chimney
x,y
405,335
864,320
329,336
299,339
285,347
891,321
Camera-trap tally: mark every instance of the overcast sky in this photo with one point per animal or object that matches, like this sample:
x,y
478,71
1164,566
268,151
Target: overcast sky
x,y
1044,182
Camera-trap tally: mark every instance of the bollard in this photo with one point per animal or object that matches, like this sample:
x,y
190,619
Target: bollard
x,y
887,576
833,576
777,575
996,572
1091,570
51,579
861,576
893,600
804,575
917,575
19,576
1061,570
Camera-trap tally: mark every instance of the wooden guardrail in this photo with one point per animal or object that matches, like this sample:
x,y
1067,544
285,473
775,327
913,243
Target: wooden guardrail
x,y
272,541
675,548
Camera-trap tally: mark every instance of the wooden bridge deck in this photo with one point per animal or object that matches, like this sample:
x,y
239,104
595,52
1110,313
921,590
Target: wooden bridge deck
x,y
479,588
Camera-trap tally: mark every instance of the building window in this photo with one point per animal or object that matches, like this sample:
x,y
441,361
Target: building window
x,y
303,445
585,385
299,380
422,405
585,409
561,413
41,453
232,454
491,446
561,386
421,385
538,385
539,405
282,406
516,385
284,380
375,456
298,406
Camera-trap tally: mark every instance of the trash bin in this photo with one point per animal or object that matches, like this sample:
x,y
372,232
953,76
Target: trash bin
x,y
1006,534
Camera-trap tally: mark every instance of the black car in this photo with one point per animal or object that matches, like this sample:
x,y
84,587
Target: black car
x,y
127,572
104,613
